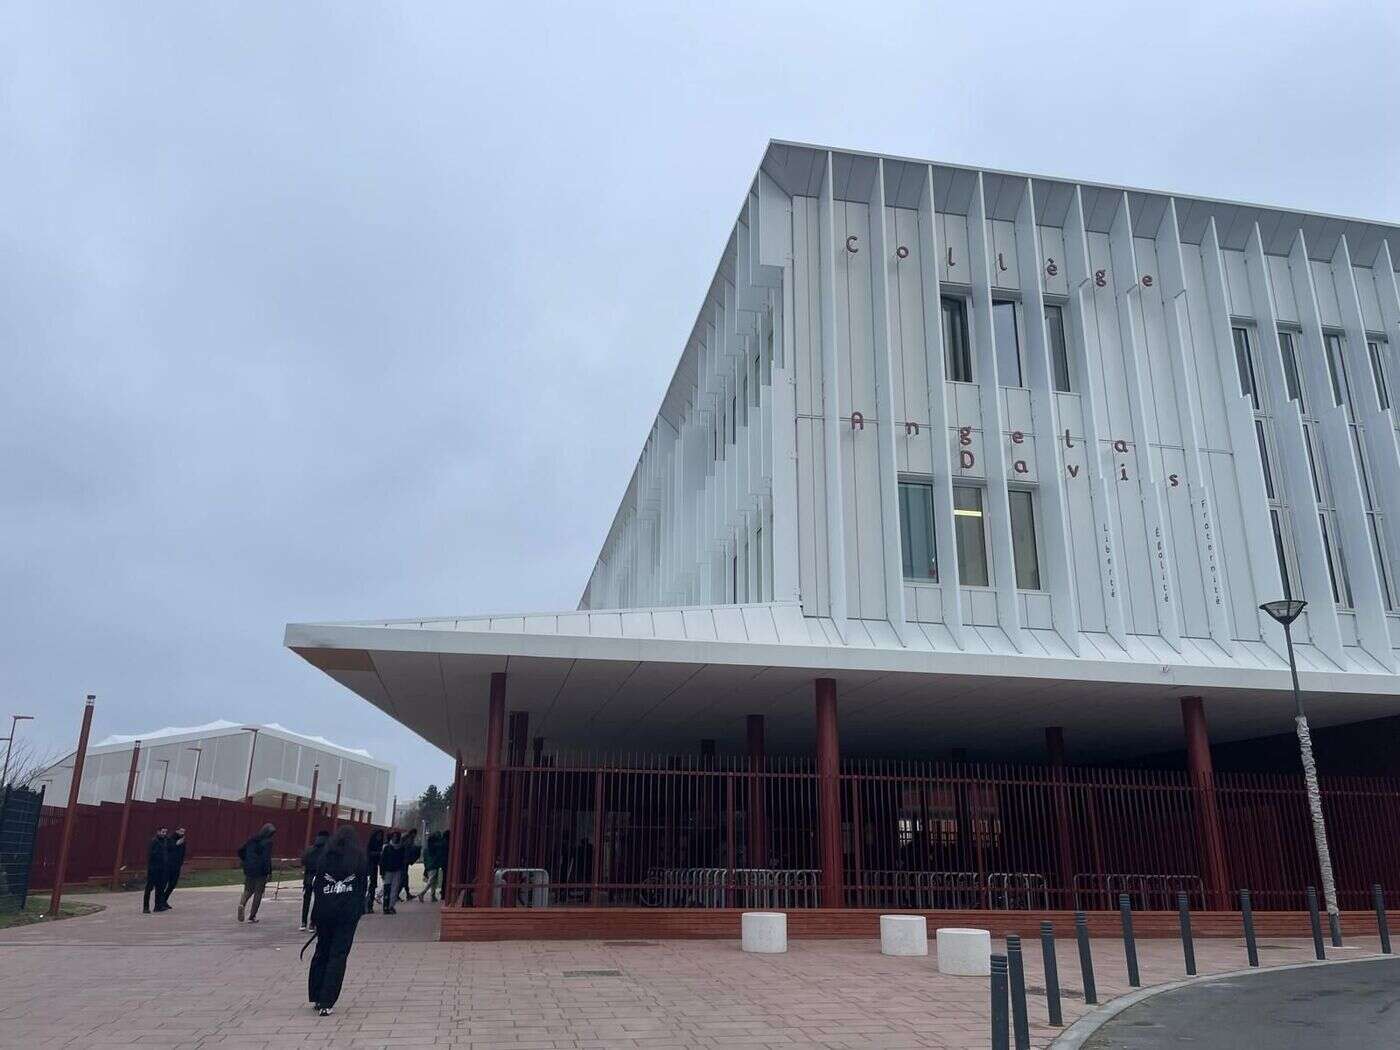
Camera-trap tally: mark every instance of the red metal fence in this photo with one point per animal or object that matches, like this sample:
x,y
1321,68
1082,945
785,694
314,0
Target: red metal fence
x,y
214,829
727,832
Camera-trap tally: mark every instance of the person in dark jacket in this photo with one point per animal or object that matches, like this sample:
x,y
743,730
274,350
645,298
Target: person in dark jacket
x,y
310,864
256,857
373,852
157,857
412,853
174,861
339,890
434,858
391,870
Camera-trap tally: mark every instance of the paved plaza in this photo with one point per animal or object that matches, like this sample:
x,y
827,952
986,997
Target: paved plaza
x,y
194,978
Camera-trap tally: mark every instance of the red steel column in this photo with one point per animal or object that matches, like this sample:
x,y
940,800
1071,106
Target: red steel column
x,y
490,791
519,737
335,816
758,823
311,808
454,838
1202,773
1055,752
71,813
126,815
828,794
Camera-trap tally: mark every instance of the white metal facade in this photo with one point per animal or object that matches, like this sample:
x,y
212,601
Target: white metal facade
x,y
815,382
282,762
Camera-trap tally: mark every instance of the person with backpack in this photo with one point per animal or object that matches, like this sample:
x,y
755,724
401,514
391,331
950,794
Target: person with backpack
x,y
309,862
256,857
157,858
391,871
338,891
174,861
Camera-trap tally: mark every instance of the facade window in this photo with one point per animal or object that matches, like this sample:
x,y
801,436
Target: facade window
x,y
756,382
758,564
970,525
918,548
1288,352
734,578
1337,369
744,398
1023,539
1008,341
1374,525
957,349
1244,362
1059,349
1373,349
733,418
1326,513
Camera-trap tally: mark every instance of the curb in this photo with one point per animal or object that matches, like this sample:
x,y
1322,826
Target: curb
x,y
1077,1034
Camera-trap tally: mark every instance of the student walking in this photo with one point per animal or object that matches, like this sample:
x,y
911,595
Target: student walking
x,y
310,865
434,857
373,852
339,890
256,857
157,858
391,871
412,852
174,861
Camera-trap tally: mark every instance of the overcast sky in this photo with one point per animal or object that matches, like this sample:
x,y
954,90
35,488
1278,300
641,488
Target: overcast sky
x,y
343,311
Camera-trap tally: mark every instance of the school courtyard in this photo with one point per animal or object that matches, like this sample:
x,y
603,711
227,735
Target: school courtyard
x,y
194,978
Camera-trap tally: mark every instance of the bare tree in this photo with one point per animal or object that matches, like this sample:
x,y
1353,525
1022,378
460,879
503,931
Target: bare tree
x,y
27,761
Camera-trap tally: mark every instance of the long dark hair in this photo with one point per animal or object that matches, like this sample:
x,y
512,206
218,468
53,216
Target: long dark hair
x,y
376,839
343,856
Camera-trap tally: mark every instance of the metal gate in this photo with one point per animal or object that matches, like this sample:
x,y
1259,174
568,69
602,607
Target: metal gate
x,y
19,820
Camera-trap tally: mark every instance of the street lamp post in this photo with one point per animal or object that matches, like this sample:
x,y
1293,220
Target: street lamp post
x,y
10,743
248,786
1284,612
194,780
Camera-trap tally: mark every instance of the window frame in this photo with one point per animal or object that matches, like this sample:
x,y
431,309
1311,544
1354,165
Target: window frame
x,y
906,545
1014,312
1061,359
1013,494
981,514
959,315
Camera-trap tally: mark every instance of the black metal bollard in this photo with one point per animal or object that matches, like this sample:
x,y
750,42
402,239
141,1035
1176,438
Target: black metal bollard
x,y
1247,914
1125,910
1086,959
1382,924
1188,946
1052,972
1316,921
1016,974
1000,1034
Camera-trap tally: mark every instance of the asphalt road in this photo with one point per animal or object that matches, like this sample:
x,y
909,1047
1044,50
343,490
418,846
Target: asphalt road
x,y
1318,1008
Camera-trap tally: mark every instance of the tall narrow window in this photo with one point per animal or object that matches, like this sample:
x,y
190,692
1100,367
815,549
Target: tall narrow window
x,y
1023,540
1288,352
734,578
1373,519
956,348
758,564
972,536
744,577
1336,562
1280,549
1337,369
1059,349
1244,362
916,538
1008,341
1373,348
733,418
744,398
756,381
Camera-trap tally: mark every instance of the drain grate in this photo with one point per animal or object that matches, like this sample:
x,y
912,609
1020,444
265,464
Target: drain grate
x,y
630,944
592,973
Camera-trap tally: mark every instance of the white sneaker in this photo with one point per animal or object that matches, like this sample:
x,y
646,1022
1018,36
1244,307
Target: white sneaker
x,y
325,1011
302,927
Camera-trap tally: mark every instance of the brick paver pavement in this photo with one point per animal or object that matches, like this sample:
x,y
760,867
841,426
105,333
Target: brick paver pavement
x,y
194,978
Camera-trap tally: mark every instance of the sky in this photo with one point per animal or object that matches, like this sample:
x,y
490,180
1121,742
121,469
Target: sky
x,y
328,311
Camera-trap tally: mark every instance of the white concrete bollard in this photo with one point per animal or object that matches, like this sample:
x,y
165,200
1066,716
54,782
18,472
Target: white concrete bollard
x,y
964,953
903,935
764,932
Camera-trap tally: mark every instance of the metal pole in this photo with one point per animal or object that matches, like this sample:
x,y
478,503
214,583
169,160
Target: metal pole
x,y
1382,924
335,817
1316,921
1188,946
1000,1035
1016,978
1086,959
126,815
70,814
454,839
165,779
1324,855
1052,972
1247,914
311,807
491,792
194,780
15,720
252,748
1125,911
829,795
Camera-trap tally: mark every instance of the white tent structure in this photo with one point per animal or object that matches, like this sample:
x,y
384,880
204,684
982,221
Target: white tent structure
x,y
229,760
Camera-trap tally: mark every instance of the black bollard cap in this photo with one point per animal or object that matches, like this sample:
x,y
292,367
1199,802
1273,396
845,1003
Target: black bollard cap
x,y
998,964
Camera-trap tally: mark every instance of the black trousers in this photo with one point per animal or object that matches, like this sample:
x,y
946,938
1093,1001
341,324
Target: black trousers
x,y
373,885
168,887
306,895
334,936
156,882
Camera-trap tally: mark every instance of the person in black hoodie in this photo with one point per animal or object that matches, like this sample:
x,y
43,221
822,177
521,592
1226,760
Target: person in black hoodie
x,y
157,857
174,861
310,861
373,852
412,852
339,890
256,857
391,870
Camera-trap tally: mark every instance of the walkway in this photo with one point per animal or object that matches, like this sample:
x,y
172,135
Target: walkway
x,y
195,978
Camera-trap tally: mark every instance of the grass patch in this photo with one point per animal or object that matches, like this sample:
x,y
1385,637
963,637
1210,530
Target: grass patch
x,y
35,913
230,877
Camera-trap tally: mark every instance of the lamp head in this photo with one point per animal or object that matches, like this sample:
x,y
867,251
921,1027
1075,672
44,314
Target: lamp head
x,y
1285,610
